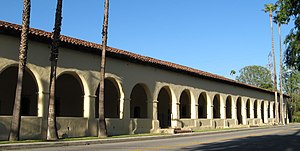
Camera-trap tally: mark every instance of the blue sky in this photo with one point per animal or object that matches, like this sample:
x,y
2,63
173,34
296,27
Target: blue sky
x,y
213,36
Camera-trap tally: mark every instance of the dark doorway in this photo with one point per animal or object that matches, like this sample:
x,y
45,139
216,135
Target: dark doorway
x,y
202,105
111,100
164,108
69,96
8,82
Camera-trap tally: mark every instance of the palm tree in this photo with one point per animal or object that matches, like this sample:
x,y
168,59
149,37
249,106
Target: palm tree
x,y
51,126
102,126
16,118
279,19
270,8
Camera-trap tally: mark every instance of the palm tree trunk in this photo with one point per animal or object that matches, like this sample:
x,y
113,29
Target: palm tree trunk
x,y
16,118
281,94
102,125
51,129
274,66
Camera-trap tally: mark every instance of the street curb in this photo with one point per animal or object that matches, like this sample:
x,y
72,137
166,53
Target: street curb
x,y
17,146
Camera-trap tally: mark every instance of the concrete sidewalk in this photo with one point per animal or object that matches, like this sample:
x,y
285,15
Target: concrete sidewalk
x,y
16,146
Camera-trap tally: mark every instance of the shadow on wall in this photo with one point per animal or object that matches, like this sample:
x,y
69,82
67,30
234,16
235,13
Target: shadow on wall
x,y
265,143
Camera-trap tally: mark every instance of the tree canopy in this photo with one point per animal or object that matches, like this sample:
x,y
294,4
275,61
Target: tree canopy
x,y
291,85
257,76
289,10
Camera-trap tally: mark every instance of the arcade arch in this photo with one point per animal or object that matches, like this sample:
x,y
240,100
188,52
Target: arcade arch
x,y
248,108
239,110
202,105
164,107
255,109
69,93
111,99
29,96
185,104
138,101
228,107
216,106
262,111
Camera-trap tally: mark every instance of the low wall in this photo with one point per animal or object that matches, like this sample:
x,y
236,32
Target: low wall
x,y
117,126
72,127
140,126
30,127
186,123
230,123
218,123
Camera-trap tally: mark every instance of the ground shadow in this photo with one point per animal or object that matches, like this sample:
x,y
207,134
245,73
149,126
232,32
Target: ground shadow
x,y
256,143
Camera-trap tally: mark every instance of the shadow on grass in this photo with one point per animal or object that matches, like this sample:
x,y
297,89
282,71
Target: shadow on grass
x,y
255,143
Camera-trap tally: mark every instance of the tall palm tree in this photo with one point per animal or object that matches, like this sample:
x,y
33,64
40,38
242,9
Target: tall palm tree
x,y
102,125
16,118
51,126
270,8
279,19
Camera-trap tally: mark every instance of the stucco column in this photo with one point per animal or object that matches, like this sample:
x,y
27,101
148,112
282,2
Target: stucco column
x,y
150,104
89,112
251,109
244,111
125,110
89,106
43,103
154,113
265,111
222,108
259,109
276,108
271,110
175,114
194,107
209,108
196,111
234,108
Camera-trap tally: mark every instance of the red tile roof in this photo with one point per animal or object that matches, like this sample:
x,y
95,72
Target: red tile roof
x,y
40,35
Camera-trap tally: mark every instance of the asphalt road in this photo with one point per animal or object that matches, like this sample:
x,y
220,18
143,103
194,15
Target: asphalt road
x,y
283,138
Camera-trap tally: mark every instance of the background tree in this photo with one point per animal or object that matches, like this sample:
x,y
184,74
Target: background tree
x,y
16,118
257,76
232,72
51,126
290,10
102,125
270,8
291,86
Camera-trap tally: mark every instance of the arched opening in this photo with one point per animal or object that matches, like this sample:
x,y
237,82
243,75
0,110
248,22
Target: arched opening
x,y
255,109
69,96
8,83
185,105
202,105
138,102
216,106
164,107
248,108
228,107
239,110
262,112
111,99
